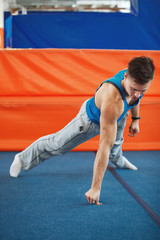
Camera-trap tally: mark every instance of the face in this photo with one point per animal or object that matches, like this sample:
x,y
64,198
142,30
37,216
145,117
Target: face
x,y
133,89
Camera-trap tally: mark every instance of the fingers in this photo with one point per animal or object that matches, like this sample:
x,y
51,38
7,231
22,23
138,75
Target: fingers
x,y
132,132
98,203
132,135
90,200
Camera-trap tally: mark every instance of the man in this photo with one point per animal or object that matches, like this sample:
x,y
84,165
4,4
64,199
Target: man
x,y
104,114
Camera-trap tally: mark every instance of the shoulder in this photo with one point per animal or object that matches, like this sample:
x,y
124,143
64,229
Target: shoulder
x,y
110,102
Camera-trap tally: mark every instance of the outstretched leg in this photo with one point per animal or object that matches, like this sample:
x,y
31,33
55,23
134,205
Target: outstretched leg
x,y
116,154
79,130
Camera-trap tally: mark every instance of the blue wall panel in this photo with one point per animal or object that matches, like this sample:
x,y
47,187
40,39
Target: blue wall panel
x,y
90,30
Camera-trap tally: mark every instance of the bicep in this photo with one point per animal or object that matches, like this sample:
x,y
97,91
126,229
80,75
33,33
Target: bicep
x,y
108,132
111,109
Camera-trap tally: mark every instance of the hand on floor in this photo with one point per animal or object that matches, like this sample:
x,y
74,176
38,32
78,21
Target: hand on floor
x,y
93,196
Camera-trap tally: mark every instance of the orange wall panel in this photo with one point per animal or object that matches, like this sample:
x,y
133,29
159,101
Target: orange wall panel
x,y
42,90
64,72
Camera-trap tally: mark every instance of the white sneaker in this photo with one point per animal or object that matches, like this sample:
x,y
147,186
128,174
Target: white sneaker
x,y
15,167
129,165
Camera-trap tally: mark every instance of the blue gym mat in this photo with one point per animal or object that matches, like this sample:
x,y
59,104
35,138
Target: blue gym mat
x,y
145,181
48,202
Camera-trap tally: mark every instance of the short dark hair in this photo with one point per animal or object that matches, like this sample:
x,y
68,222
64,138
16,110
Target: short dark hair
x,y
141,69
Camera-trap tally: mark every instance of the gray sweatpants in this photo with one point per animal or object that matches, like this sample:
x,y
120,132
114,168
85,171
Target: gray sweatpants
x,y
79,130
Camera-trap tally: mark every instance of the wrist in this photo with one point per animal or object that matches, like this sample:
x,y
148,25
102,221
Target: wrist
x,y
96,186
135,118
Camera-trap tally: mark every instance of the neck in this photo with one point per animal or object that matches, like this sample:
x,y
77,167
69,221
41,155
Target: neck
x,y
123,86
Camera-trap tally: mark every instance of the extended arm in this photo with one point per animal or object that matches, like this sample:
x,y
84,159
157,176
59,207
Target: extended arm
x,y
108,130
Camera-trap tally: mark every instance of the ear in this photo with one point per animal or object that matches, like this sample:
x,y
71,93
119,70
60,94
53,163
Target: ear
x,y
125,75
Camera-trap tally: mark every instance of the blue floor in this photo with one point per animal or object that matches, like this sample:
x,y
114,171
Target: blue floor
x,y
145,181
48,202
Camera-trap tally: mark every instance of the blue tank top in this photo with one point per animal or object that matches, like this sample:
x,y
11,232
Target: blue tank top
x,y
94,113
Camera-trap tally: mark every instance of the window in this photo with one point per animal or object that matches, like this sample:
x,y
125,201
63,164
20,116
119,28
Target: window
x,y
126,6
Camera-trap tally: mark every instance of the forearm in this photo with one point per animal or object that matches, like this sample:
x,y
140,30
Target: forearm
x,y
134,127
135,111
100,166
